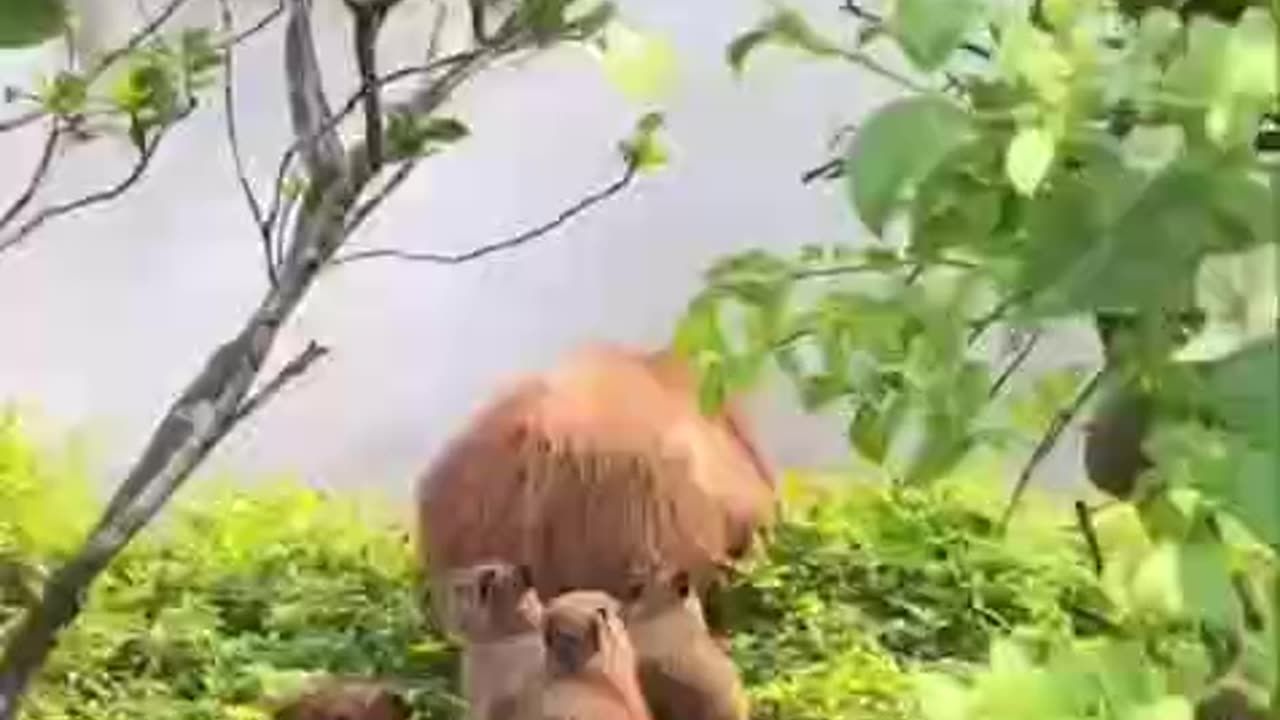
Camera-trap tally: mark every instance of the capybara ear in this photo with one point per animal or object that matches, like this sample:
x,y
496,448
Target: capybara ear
x,y
681,583
400,706
485,583
526,576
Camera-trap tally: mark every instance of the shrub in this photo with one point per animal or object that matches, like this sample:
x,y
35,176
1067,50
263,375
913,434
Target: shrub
x,y
241,592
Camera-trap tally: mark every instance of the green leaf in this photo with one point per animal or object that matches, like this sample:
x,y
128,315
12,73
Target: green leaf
x,y
785,28
1240,478
1030,156
66,94
896,148
642,66
1187,580
25,23
930,30
644,150
1237,293
743,45
1145,259
1244,392
941,697
411,136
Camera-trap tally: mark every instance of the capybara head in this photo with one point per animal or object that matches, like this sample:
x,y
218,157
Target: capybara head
x,y
583,631
493,600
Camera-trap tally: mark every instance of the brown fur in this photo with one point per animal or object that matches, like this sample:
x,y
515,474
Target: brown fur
x,y
590,669
684,672
346,700
497,611
608,453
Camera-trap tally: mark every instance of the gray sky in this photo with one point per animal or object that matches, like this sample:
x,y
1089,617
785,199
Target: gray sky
x,y
107,314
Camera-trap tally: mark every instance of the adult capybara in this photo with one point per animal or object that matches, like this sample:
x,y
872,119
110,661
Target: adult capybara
x,y
593,474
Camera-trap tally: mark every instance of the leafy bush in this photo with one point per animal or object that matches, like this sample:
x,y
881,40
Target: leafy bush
x,y
241,593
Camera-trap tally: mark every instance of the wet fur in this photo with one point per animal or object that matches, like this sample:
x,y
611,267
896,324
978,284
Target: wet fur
x,y
608,451
496,610
590,669
684,672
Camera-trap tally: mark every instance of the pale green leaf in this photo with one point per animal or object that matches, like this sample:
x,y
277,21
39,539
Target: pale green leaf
x,y
25,23
1187,580
941,697
742,46
1151,148
641,65
930,30
1237,293
1239,477
1244,391
1172,707
896,148
1029,158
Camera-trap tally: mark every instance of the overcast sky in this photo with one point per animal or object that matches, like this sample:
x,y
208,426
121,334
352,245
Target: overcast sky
x,y
105,316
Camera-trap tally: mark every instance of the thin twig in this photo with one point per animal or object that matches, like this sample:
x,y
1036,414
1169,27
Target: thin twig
x,y
1048,441
101,196
146,31
861,13
262,24
476,253
829,170
368,19
22,120
1084,520
1014,365
348,107
37,177
233,142
363,212
301,362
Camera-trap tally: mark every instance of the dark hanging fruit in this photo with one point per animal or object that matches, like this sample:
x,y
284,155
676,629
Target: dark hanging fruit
x,y
1113,456
1228,703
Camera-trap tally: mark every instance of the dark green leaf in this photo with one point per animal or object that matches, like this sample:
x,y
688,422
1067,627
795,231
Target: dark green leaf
x,y
896,149
24,23
592,22
930,30
742,46
1244,392
1146,259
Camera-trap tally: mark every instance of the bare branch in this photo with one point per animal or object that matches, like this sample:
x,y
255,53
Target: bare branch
x,y
1049,440
510,243
1084,520
22,120
37,177
150,28
362,213
262,24
302,362
368,22
348,107
308,108
829,170
101,196
1015,364
233,143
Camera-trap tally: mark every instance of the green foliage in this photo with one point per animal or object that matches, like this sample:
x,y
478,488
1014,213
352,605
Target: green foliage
x,y
238,596
410,136
24,23
1085,162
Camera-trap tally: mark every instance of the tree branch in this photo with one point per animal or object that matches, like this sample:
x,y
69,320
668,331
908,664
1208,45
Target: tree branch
x,y
1014,365
510,243
37,177
368,18
302,362
309,111
829,170
1048,441
105,195
233,143
22,120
